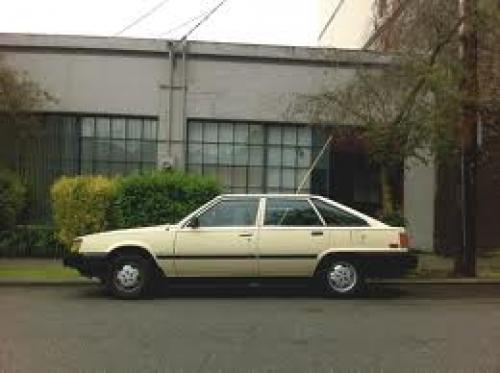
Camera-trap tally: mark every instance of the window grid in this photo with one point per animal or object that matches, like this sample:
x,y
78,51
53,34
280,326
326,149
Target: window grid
x,y
220,148
109,151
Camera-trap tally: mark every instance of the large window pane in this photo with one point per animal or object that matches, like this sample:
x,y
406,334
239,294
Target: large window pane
x,y
210,153
149,152
226,132
241,133
288,178
273,156
289,135
118,153
255,177
103,129
289,157
134,127
256,155
194,153
133,151
273,177
303,157
195,133
225,154
304,136
210,132
240,177
274,135
149,131
241,155
118,128
88,127
224,175
256,134
102,150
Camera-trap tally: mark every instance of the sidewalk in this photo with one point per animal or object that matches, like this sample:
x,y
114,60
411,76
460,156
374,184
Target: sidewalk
x,y
432,270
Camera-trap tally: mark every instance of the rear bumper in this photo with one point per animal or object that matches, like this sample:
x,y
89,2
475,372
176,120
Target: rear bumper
x,y
391,265
87,265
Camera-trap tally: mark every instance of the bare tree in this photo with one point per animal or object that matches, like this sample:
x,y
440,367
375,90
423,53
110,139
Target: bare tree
x,y
19,98
410,109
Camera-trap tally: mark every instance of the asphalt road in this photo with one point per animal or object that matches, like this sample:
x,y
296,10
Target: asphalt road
x,y
454,328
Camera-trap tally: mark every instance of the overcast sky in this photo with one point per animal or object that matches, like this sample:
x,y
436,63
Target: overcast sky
x,y
291,22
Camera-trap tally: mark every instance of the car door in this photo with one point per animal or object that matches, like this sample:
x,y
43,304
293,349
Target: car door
x,y
223,244
291,236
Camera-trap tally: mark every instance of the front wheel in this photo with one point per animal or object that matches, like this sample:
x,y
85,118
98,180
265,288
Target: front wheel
x,y
130,276
342,277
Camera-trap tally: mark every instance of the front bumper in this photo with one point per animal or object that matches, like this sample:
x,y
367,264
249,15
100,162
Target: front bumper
x,y
87,265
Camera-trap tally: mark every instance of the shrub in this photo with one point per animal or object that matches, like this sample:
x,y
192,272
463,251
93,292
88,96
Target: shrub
x,y
160,197
81,205
30,241
12,198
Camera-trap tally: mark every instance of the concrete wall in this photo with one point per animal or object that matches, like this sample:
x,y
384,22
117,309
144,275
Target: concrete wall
x,y
419,195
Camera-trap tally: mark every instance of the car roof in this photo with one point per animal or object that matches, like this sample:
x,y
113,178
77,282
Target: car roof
x,y
260,195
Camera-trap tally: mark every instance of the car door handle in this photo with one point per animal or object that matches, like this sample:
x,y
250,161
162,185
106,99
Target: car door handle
x,y
316,233
246,234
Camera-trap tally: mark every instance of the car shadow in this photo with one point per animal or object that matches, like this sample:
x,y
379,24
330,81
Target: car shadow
x,y
254,291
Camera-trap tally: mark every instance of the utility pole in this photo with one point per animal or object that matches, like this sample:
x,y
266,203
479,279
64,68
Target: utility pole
x,y
466,261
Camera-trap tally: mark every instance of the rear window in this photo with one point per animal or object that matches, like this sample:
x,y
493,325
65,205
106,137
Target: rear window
x,y
336,217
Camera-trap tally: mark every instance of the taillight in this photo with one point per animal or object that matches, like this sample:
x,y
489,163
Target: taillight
x,y
403,239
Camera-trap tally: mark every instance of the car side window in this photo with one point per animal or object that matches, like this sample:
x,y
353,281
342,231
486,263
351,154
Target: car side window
x,y
334,216
230,213
290,212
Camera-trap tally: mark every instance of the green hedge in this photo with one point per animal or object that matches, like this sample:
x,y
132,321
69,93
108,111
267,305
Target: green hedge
x,y
159,197
81,205
91,204
30,241
12,198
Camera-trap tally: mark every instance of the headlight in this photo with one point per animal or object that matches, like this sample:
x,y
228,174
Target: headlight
x,y
75,246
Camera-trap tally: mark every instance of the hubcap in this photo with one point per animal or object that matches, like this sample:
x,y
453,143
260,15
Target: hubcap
x,y
128,276
342,277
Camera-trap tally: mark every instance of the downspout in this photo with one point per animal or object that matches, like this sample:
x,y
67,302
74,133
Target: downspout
x,y
184,142
171,55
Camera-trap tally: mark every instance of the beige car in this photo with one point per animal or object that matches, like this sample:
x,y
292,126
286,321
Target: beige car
x,y
249,236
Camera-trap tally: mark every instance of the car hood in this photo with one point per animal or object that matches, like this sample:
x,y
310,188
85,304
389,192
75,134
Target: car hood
x,y
130,231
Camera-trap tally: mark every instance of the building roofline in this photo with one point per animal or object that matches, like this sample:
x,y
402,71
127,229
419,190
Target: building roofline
x,y
125,46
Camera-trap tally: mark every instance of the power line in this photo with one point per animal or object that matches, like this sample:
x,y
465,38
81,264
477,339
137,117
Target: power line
x,y
206,17
142,17
334,14
181,25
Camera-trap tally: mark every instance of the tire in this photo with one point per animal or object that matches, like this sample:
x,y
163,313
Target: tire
x,y
342,277
130,276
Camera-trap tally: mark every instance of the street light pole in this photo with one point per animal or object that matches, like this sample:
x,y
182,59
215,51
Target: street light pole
x,y
466,262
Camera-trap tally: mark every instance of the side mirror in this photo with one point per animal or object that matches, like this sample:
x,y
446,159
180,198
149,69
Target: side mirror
x,y
194,223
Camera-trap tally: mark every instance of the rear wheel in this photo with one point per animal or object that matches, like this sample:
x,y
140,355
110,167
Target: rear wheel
x,y
342,277
130,276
